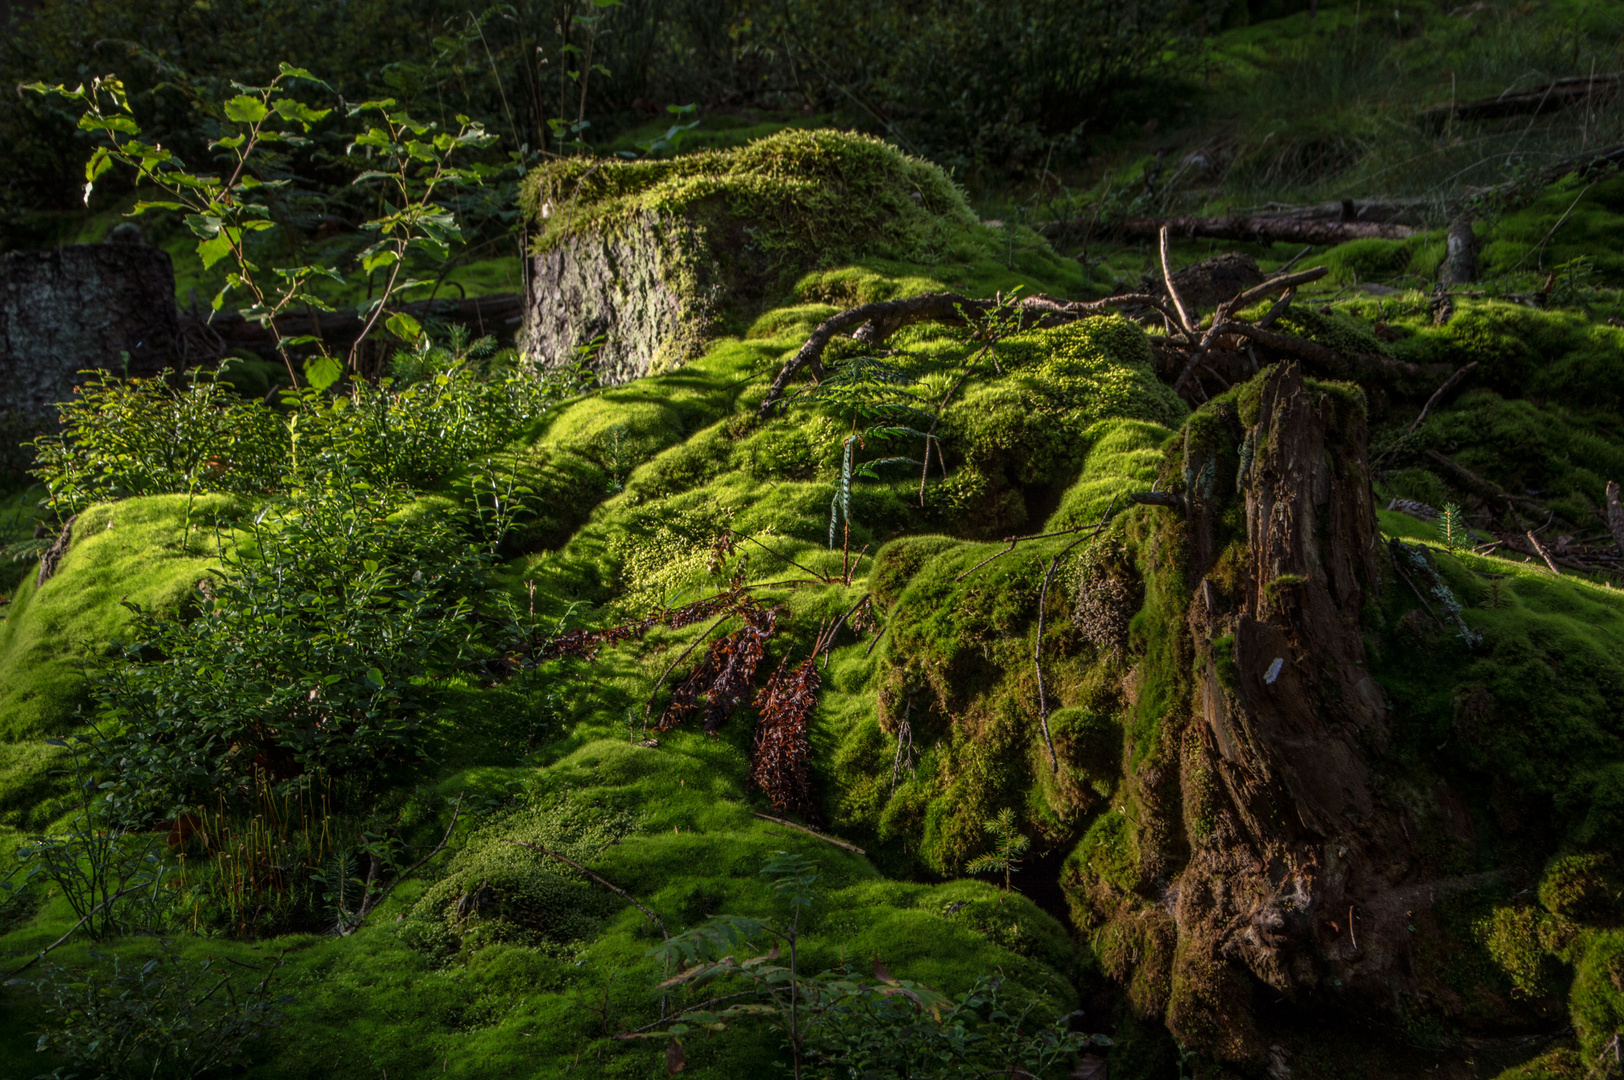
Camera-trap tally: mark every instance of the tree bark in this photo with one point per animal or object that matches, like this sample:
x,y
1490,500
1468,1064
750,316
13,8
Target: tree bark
x,y
1295,832
67,309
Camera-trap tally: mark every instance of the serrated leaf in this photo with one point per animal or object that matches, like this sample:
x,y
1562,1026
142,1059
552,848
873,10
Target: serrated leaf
x,y
212,251
246,110
323,371
404,326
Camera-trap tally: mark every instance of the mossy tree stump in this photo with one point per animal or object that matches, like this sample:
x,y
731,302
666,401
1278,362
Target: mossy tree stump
x,y
652,258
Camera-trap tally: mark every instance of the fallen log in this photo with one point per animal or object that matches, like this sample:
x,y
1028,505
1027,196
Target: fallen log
x,y
1268,228
1487,490
494,314
1552,97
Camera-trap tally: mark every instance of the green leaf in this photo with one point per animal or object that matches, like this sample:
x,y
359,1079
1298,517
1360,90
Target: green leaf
x,y
404,326
288,71
300,113
143,207
246,110
382,258
212,251
323,371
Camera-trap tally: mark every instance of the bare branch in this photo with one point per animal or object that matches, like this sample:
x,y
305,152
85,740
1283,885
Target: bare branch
x,y
810,832
616,889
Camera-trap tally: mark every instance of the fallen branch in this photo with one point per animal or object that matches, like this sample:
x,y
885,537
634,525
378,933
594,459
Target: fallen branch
x,y
809,832
1485,489
1561,94
37,957
632,1034
370,904
1346,365
1541,552
1267,229
1452,381
648,706
616,889
1184,324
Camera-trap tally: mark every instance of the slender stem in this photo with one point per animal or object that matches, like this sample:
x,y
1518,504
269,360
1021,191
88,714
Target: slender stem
x,y
649,705
617,890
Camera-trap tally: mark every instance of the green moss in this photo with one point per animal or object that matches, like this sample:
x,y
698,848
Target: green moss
x,y
1572,218
52,633
824,194
1385,261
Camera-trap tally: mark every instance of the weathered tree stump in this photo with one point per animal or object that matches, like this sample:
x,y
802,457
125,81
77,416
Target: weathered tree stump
x,y
636,302
68,309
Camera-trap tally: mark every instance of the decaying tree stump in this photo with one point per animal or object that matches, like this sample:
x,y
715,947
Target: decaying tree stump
x,y
66,309
1293,866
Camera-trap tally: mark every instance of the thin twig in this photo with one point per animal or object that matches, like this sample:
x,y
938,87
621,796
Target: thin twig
x,y
1541,552
1452,381
1438,393
876,640
43,952
821,577
828,637
648,706
810,832
1013,540
370,905
632,1034
1172,290
616,889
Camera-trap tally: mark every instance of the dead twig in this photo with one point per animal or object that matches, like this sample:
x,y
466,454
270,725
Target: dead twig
x,y
648,706
632,1034
810,832
1541,552
1173,292
370,904
611,886
821,577
43,953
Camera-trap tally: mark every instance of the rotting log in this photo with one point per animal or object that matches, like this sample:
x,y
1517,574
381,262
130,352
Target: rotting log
x,y
1552,97
1261,228
1297,831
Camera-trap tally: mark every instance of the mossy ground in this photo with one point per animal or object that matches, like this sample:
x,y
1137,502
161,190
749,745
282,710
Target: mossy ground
x,y
922,735
632,484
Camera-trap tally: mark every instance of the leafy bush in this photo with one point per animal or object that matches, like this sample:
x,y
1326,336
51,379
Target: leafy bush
x,y
114,880
121,437
313,653
162,1018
